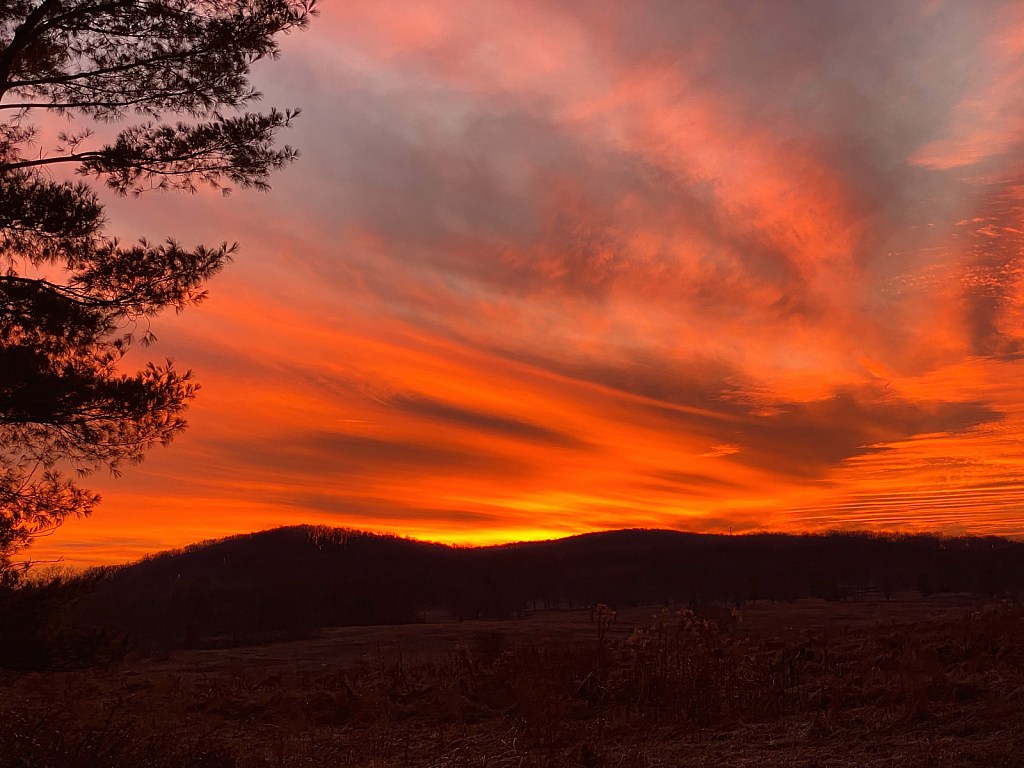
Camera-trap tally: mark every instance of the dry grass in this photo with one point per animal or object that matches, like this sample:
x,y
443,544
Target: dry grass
x,y
906,683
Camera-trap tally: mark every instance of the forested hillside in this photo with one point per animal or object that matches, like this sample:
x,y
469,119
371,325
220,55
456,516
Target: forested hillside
x,y
288,582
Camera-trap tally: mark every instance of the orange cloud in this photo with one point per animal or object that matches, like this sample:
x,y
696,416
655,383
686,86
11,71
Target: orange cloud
x,y
551,268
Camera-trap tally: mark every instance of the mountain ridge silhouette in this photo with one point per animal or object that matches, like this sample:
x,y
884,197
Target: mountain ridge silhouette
x,y
291,581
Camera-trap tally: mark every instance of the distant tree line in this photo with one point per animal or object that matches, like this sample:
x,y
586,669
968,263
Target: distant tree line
x,y
289,582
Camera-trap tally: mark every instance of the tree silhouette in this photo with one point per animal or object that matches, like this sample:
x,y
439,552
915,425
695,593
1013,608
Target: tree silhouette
x,y
72,299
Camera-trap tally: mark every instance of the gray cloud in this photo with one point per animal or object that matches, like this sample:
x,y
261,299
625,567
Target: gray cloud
x,y
438,410
329,455
799,439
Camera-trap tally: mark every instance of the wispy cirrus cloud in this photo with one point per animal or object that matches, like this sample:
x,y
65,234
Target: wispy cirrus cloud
x,y
551,267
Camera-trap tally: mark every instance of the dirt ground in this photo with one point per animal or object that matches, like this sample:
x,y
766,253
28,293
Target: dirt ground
x,y
909,681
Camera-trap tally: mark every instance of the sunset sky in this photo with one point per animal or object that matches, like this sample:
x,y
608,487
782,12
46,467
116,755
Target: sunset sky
x,y
546,268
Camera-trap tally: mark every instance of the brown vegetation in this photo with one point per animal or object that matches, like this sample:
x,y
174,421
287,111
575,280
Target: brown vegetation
x,y
907,682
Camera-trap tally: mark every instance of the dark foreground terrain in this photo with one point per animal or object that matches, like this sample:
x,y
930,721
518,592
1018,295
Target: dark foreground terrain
x,y
910,681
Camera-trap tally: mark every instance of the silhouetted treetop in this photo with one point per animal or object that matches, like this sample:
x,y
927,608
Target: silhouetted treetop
x,y
107,59
72,299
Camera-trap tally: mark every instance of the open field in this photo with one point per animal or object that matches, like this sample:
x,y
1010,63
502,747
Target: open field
x,y
905,682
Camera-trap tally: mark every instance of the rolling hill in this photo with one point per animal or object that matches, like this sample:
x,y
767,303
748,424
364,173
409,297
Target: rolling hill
x,y
289,582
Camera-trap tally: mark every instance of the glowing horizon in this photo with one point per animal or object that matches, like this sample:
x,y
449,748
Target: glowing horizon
x,y
544,269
